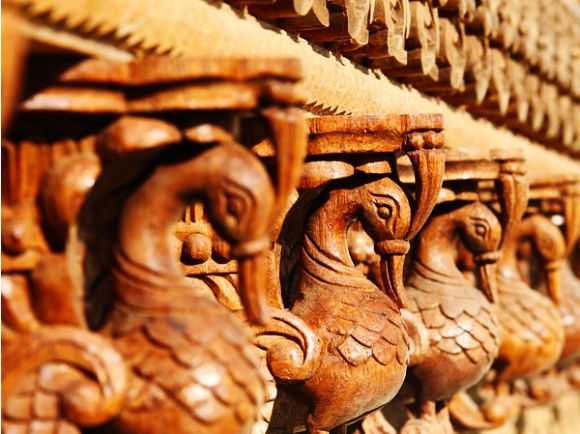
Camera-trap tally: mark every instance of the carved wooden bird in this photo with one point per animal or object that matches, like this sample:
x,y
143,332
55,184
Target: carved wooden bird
x,y
550,384
62,377
463,330
570,314
192,361
538,274
532,334
359,327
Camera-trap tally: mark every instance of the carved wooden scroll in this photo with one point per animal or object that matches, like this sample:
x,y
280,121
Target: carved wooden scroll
x,y
174,356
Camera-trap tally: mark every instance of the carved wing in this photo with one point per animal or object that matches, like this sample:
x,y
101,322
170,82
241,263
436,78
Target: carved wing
x,y
466,326
368,325
48,389
58,378
207,367
529,317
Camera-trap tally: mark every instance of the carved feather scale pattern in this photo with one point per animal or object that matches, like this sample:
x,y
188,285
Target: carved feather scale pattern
x,y
467,327
365,323
36,408
212,373
194,354
364,328
532,323
463,329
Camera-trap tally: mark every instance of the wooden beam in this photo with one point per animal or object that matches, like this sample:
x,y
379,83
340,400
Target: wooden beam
x,y
332,83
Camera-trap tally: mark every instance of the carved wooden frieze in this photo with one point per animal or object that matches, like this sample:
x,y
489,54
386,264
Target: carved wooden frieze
x,y
185,248
182,246
531,330
144,247
344,153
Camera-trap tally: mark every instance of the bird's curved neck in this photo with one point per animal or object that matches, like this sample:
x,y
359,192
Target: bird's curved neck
x,y
326,261
328,226
145,230
436,250
508,263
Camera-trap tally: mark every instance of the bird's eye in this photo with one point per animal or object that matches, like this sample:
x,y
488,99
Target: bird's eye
x,y
384,211
480,230
235,206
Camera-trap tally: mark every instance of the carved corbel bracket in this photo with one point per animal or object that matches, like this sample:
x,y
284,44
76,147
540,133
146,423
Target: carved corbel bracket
x,y
357,151
172,140
502,397
159,85
466,335
557,199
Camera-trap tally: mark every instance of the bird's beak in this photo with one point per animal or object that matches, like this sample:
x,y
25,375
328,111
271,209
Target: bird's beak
x,y
392,278
487,280
252,285
487,274
553,281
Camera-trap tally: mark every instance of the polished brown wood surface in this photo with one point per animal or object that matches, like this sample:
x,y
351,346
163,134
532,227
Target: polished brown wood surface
x,y
354,328
196,244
